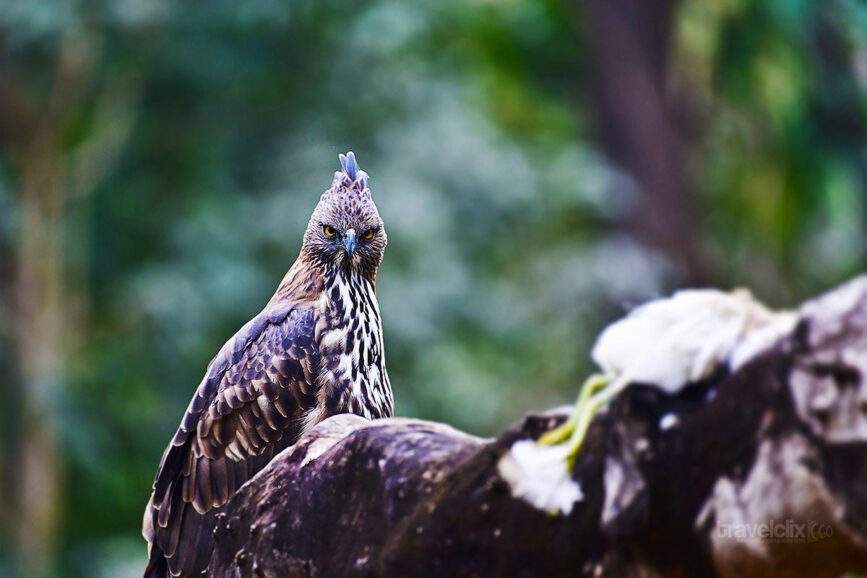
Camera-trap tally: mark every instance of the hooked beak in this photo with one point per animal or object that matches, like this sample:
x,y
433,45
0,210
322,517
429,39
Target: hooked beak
x,y
349,241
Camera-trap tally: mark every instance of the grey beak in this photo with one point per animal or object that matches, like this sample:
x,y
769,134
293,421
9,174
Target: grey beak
x,y
349,241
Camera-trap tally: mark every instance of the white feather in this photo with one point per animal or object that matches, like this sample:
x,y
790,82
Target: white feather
x,y
686,337
540,476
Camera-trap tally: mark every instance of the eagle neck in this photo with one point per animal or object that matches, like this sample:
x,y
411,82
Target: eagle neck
x,y
353,377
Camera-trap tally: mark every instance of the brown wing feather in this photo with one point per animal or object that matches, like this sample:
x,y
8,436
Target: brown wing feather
x,y
248,407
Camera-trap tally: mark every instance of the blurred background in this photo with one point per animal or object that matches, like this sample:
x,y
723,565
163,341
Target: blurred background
x,y
541,165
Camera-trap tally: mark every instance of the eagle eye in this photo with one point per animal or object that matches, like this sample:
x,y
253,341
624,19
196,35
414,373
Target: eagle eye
x,y
370,233
328,230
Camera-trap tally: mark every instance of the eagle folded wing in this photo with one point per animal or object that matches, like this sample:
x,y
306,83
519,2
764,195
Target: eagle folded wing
x,y
247,409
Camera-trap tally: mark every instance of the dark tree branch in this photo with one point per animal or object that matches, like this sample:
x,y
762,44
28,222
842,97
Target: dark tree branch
x,y
782,440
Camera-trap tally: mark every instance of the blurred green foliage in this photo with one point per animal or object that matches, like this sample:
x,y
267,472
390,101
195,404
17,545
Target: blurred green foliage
x,y
196,139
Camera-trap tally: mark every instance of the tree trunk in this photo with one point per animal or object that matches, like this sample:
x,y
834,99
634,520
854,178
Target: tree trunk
x,y
42,297
760,472
640,128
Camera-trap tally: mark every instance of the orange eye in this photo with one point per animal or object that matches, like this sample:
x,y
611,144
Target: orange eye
x,y
328,230
369,234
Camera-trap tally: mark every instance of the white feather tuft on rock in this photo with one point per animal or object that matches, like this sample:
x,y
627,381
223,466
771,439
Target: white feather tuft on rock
x,y
686,337
540,476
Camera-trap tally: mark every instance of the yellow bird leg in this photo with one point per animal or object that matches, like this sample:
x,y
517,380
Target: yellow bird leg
x,y
566,430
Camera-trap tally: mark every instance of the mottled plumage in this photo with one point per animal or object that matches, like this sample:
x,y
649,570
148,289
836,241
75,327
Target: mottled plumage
x,y
314,351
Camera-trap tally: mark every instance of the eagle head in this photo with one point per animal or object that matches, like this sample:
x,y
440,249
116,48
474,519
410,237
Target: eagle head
x,y
346,230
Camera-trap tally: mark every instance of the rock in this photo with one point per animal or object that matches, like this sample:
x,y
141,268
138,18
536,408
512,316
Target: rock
x,y
757,472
